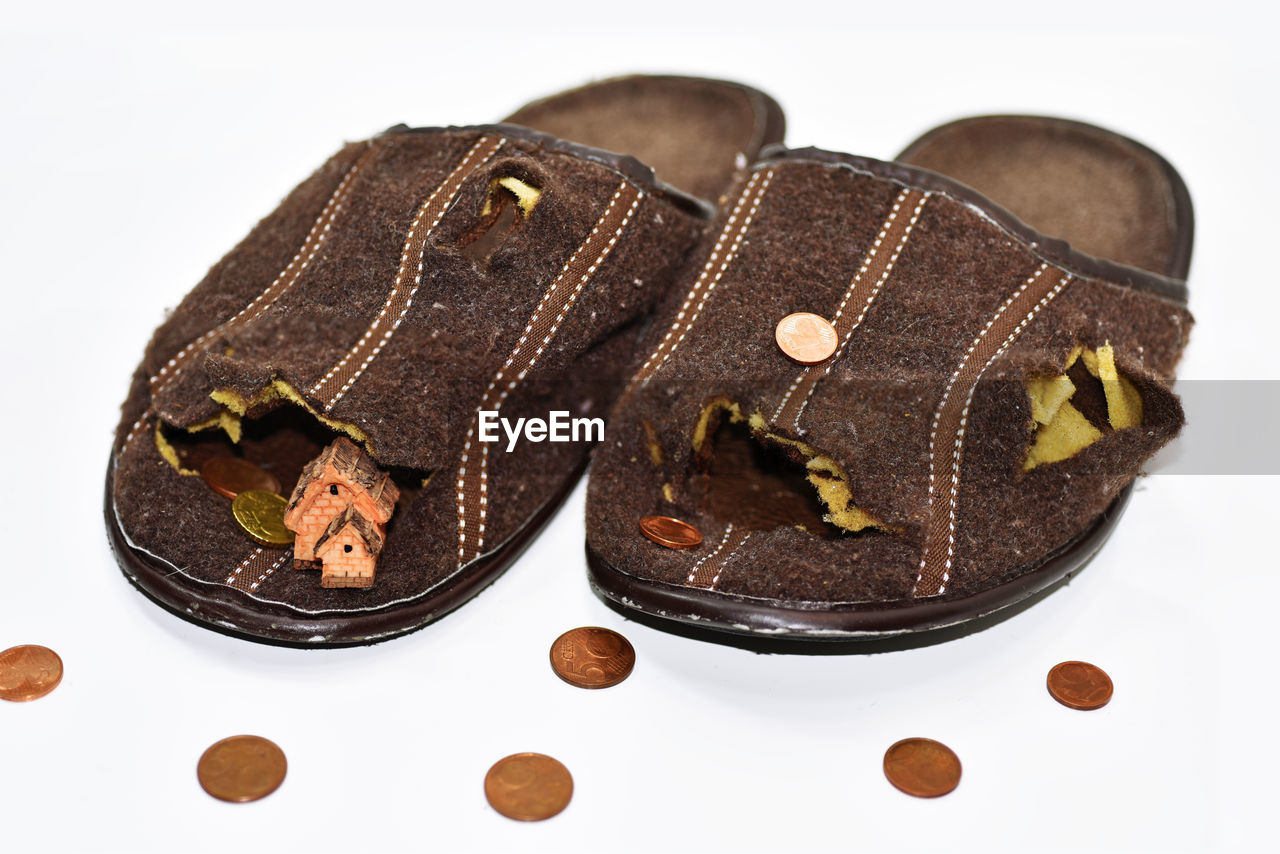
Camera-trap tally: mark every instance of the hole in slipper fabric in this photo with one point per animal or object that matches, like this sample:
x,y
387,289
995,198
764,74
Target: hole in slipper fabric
x,y
281,441
1075,409
759,487
803,468
509,203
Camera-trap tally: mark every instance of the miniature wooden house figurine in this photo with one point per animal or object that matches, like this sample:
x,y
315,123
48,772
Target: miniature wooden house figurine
x,y
338,513
348,550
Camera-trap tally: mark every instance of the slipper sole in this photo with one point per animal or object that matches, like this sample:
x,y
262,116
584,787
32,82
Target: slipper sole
x,y
818,621
228,611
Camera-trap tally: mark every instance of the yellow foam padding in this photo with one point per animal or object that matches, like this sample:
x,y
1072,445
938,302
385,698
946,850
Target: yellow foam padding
x,y
1047,395
826,476
169,453
655,446
281,390
526,195
1090,358
1124,402
834,492
1066,435
1062,430
228,422
700,429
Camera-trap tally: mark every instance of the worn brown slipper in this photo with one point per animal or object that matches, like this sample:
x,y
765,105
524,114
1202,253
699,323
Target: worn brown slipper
x,y
348,347
956,429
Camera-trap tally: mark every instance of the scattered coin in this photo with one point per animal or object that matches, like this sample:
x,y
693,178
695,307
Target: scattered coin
x,y
592,657
261,515
242,768
231,476
922,767
671,533
1080,685
806,338
528,786
28,672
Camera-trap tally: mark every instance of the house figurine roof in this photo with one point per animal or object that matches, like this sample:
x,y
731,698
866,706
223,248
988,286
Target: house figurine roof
x,y
346,462
368,531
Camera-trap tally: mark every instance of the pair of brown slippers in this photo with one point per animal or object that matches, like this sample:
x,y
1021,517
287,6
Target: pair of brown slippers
x,y
1008,302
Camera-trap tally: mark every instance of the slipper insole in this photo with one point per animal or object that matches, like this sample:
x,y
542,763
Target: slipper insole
x,y
690,131
1103,193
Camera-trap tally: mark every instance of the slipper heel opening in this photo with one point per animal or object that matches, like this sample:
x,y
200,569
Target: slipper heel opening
x,y
1106,195
694,133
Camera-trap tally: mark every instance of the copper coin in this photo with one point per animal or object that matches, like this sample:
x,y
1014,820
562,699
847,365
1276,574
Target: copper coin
x,y
528,787
806,338
231,476
592,657
671,533
922,767
28,672
242,768
1080,685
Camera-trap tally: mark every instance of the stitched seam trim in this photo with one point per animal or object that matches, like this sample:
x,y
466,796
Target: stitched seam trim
x,y
405,261
957,451
875,291
284,280
510,385
661,353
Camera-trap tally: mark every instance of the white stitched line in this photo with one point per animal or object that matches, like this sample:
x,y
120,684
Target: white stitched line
x,y
964,421
728,557
706,271
278,563
133,431
318,234
524,337
693,572
395,287
946,395
964,418
728,259
884,277
243,565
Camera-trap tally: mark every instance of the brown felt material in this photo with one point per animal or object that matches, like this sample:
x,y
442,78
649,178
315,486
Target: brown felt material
x,y
818,219
413,402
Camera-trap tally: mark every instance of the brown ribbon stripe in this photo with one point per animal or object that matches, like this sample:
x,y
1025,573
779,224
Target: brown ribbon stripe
x,y
706,572
255,568
877,265
722,254
334,384
286,279
946,436
473,475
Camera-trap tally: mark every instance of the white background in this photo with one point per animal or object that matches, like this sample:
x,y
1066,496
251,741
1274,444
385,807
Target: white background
x,y
139,143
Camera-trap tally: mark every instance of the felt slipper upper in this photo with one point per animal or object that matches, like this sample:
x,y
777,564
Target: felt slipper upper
x,y
357,305
923,436
418,289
